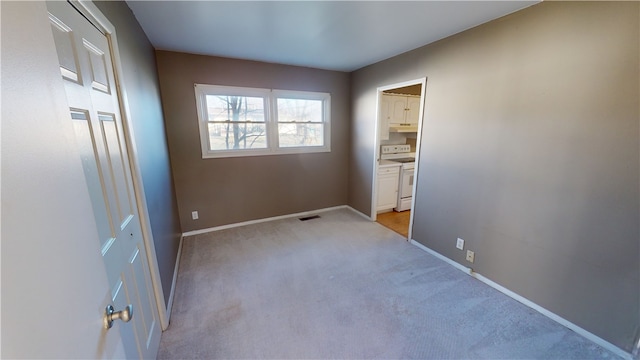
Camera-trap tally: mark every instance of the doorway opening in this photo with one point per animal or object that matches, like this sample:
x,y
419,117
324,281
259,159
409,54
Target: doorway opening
x,y
400,110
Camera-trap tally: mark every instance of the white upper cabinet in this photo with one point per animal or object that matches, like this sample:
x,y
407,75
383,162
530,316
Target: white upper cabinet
x,y
384,117
398,109
413,110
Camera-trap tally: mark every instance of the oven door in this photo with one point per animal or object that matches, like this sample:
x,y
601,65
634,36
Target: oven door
x,y
406,182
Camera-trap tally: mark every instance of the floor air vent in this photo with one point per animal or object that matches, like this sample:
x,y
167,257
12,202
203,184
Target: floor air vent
x,y
309,218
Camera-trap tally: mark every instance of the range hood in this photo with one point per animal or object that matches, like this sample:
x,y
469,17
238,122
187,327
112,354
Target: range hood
x,y
403,128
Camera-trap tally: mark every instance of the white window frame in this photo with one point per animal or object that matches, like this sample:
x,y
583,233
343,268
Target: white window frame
x,y
271,120
202,91
326,116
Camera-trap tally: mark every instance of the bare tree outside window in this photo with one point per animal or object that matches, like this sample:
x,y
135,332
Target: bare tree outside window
x,y
236,122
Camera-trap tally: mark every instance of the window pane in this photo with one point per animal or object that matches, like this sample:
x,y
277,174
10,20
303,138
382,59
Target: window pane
x,y
235,108
229,136
299,110
291,135
238,121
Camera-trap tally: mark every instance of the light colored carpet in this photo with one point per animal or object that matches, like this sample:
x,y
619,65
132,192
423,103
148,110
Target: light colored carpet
x,y
344,287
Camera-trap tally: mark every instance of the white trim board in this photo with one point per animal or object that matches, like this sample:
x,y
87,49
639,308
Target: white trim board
x,y
564,322
173,283
376,147
257,221
359,213
456,265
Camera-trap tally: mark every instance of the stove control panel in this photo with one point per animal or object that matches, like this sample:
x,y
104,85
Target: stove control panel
x,y
395,149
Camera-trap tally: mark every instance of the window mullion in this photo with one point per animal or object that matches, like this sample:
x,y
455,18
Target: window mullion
x,y
273,122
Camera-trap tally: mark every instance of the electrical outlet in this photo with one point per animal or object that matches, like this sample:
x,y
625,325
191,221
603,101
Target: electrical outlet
x,y
194,215
470,256
460,244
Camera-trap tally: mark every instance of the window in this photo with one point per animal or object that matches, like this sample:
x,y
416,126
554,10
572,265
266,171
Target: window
x,y
237,121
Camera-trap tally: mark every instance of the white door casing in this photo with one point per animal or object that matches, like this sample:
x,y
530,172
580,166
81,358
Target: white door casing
x,y
87,70
377,139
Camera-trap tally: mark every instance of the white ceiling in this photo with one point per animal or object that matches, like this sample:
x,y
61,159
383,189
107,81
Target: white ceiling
x,y
334,35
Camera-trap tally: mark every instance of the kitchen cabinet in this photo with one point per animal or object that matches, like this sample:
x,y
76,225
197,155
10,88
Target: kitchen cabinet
x,y
398,110
387,186
384,116
413,110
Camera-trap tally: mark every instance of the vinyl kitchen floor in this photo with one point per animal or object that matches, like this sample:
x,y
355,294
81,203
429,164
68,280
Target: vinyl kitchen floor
x,y
396,221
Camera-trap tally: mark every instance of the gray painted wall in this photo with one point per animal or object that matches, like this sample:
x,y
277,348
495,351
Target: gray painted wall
x,y
141,82
530,152
231,190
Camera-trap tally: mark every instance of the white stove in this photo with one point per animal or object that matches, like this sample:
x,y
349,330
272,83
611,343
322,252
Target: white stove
x,y
402,154
390,152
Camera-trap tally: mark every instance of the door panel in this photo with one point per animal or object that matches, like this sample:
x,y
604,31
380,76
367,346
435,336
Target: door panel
x,y
85,66
65,47
98,67
115,164
413,110
399,107
384,116
92,173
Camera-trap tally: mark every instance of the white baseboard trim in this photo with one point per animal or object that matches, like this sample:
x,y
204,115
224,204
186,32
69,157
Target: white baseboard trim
x,y
560,320
564,322
251,222
460,267
173,282
359,213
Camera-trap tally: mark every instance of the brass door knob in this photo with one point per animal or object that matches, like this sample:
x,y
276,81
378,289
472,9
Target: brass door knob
x,y
111,315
